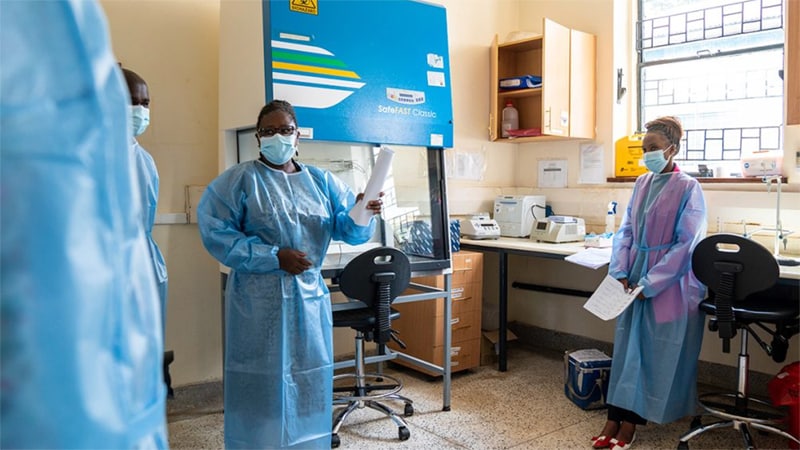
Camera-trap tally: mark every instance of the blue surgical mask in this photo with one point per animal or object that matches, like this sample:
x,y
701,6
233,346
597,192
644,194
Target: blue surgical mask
x,y
140,119
655,161
278,149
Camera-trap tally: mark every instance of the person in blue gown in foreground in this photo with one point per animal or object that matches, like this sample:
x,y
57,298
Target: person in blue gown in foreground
x,y
658,337
271,220
81,329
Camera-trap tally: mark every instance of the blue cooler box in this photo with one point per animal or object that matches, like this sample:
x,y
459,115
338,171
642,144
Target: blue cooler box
x,y
586,377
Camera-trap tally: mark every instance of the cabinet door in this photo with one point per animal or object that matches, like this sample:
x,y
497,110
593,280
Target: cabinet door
x,y
494,82
555,79
582,85
791,71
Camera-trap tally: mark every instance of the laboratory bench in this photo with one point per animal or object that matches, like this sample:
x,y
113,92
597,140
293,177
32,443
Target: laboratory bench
x,y
505,246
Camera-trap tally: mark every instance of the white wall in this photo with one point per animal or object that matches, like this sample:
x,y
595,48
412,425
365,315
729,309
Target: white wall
x,y
173,46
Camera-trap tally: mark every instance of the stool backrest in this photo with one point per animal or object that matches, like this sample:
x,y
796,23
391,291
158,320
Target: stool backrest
x,y
362,274
376,277
732,267
749,265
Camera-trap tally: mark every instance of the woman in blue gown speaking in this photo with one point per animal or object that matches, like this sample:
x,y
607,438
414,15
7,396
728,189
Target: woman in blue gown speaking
x,y
271,220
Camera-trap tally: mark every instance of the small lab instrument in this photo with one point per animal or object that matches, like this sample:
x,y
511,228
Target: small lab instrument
x,y
480,226
516,213
761,163
558,229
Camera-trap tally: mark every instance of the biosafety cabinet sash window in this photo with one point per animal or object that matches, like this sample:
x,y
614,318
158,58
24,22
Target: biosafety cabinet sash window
x,y
413,202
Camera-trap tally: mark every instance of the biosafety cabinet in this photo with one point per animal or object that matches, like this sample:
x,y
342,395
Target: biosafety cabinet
x,y
373,72
360,75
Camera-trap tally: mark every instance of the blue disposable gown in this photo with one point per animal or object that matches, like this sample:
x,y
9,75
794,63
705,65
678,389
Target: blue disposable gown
x,y
147,174
81,332
657,340
279,328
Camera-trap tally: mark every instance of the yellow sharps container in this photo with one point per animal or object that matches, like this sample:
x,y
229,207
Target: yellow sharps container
x,y
628,156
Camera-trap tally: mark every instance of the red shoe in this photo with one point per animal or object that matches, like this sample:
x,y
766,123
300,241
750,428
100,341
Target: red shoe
x,y
601,441
621,445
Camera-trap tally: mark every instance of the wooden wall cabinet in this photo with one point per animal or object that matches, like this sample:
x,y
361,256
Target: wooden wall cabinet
x,y
564,107
792,65
421,324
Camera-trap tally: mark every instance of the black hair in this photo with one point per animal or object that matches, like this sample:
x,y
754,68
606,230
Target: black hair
x,y
670,127
277,105
132,78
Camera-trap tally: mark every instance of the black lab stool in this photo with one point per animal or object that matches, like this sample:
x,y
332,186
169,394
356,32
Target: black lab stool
x,y
375,277
741,276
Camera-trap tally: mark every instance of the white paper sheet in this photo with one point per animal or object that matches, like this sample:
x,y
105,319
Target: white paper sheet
x,y
360,214
591,164
610,299
553,173
593,258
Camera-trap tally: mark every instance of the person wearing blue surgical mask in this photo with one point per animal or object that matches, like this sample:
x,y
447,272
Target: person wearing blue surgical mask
x,y
658,337
271,220
147,175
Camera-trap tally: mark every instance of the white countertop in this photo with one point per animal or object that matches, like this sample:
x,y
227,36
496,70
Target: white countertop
x,y
527,245
566,249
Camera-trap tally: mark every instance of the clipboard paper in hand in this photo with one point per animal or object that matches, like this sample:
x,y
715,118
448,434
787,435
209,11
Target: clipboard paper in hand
x,y
610,299
360,214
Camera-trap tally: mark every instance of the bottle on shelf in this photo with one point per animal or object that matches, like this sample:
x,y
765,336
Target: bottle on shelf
x,y
510,119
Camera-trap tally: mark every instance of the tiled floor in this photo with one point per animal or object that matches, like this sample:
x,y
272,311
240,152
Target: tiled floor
x,y
523,408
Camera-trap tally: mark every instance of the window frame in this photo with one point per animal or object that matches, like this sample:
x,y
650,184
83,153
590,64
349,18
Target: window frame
x,y
641,89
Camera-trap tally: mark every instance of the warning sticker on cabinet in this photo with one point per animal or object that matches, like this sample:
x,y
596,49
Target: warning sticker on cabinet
x,y
304,6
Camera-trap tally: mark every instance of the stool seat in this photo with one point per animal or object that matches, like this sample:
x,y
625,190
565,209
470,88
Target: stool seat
x,y
758,308
359,318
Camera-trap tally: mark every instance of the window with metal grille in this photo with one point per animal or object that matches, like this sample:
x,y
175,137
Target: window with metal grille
x,y
717,65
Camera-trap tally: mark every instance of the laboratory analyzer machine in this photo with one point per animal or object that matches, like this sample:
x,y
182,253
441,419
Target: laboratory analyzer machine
x,y
480,226
515,214
559,229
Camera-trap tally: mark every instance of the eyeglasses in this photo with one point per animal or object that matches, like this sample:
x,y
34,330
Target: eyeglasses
x,y
267,132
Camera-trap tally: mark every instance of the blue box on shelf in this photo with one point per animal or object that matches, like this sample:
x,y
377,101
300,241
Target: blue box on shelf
x,y
521,82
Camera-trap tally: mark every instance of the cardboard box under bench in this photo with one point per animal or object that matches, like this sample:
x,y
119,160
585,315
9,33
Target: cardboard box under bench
x,y
490,347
